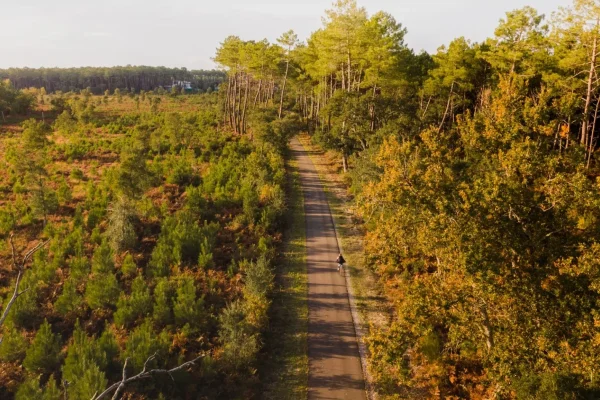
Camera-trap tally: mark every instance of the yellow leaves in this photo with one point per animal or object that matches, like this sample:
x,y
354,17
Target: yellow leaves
x,y
266,193
547,283
465,199
564,131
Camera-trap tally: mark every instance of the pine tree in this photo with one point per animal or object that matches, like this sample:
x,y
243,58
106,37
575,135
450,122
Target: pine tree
x,y
143,342
30,389
25,311
102,288
128,268
134,306
188,308
44,353
84,364
13,345
92,382
163,310
64,193
69,300
121,225
240,345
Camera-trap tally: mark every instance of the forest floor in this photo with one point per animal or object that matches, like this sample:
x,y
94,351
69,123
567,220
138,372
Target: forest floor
x,y
284,372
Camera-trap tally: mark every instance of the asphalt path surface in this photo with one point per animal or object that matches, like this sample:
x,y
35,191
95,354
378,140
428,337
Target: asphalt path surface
x,y
335,370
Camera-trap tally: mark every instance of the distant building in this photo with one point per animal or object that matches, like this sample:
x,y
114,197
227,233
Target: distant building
x,y
185,85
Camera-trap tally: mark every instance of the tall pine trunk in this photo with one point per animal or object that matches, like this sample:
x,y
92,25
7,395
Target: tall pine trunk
x,y
287,67
588,98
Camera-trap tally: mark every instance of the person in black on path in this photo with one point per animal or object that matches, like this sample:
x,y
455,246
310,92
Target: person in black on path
x,y
340,261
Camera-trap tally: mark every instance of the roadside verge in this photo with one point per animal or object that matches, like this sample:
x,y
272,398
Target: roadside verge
x,y
284,372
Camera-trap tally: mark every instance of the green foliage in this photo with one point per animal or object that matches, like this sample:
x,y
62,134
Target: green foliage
x,y
188,308
134,306
195,202
162,312
25,311
144,342
179,242
86,358
64,194
133,175
240,345
102,288
30,389
35,134
128,268
69,300
65,123
13,100
44,353
13,346
89,384
44,200
258,278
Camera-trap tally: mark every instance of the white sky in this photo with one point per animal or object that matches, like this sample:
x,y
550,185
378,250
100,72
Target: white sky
x,y
185,33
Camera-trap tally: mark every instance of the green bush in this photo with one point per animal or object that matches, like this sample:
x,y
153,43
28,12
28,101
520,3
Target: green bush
x,y
94,217
180,242
258,278
77,174
92,382
64,192
7,220
65,123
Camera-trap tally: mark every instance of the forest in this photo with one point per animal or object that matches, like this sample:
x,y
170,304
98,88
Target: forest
x,y
98,80
143,227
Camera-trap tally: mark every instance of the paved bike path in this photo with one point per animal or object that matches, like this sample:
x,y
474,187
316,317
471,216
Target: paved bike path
x,y
333,360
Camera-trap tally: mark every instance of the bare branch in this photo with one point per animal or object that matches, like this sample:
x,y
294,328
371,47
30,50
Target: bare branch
x,y
12,247
20,267
144,374
31,252
122,384
13,298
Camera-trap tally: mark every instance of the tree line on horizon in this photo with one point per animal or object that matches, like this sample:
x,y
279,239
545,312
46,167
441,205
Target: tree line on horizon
x,y
100,79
